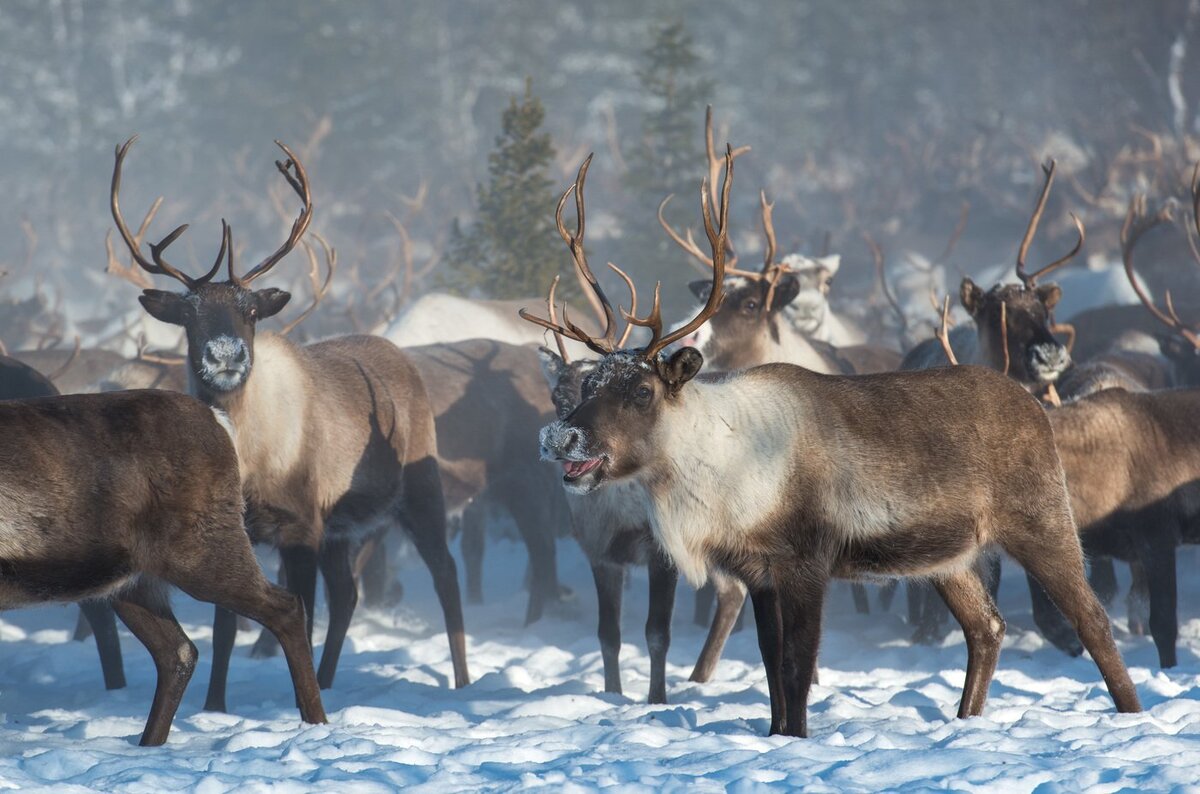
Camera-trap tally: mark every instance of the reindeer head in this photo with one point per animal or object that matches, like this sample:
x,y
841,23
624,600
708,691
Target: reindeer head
x,y
1015,321
629,394
219,317
752,319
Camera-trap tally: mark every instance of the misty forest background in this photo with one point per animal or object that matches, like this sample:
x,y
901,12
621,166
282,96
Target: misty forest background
x,y
463,121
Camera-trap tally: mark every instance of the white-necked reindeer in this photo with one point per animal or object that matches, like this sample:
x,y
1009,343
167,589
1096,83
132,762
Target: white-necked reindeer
x,y
785,478
336,439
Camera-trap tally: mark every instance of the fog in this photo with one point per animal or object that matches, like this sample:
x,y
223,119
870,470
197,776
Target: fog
x,y
880,117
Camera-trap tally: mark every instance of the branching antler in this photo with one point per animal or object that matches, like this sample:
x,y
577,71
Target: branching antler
x,y
715,164
299,183
319,289
1137,223
131,272
717,230
574,240
157,265
1030,279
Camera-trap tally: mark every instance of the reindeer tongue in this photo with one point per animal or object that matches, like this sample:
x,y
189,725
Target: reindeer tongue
x,y
575,469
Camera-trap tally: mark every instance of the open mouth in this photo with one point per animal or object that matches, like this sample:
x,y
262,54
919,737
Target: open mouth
x,y
574,469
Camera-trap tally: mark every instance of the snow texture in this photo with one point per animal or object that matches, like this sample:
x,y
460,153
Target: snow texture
x,y
881,718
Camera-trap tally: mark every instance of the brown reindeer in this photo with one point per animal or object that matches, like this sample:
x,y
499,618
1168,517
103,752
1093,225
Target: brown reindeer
x,y
336,439
19,381
116,495
1023,346
785,478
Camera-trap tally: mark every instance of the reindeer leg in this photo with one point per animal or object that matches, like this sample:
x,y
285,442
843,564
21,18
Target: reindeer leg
x,y
1050,622
343,598
372,570
298,573
423,514
663,579
527,507
224,634
472,525
702,608
83,629
1102,575
862,604
1158,558
769,622
1054,557
800,599
887,592
143,608
973,608
610,582
99,615
1137,600
731,596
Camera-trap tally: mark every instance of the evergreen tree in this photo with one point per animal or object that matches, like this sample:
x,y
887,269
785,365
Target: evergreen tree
x,y
513,250
670,154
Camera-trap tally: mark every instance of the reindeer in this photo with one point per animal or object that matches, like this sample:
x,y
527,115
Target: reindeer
x,y
800,288
1023,346
19,381
751,326
784,478
113,496
613,526
335,439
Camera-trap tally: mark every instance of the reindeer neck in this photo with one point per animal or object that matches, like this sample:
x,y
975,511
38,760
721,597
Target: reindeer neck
x,y
737,436
269,410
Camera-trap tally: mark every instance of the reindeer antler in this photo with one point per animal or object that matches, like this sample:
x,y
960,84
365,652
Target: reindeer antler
x,y
319,289
159,265
717,230
1137,223
574,240
1028,279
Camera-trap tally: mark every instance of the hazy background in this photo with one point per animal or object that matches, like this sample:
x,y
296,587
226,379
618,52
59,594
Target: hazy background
x,y
876,116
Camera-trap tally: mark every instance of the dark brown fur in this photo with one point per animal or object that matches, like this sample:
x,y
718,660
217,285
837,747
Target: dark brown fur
x,y
1132,463
903,474
110,496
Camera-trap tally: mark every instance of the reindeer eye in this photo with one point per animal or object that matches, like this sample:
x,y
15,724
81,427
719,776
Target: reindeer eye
x,y
643,393
253,313
750,305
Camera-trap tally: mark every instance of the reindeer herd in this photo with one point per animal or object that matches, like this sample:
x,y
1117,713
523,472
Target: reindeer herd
x,y
801,453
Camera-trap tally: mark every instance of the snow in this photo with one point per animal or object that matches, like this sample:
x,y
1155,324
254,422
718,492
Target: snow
x,y
881,718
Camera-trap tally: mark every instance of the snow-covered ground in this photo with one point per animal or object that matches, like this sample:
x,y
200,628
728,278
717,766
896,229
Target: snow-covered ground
x,y
882,717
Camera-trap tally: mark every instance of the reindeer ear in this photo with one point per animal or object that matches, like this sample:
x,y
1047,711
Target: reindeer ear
x,y
553,366
684,365
971,296
169,307
1049,295
271,301
701,288
785,292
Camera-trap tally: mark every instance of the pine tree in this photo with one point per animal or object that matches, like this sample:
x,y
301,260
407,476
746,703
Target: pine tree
x,y
670,154
513,250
